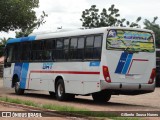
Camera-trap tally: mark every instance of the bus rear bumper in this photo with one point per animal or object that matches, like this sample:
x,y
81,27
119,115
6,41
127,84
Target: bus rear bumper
x,y
127,86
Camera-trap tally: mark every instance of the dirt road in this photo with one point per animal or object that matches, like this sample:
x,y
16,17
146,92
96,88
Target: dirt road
x,y
146,102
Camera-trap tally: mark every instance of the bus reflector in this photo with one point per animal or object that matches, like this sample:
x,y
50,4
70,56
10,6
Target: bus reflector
x,y
106,74
152,76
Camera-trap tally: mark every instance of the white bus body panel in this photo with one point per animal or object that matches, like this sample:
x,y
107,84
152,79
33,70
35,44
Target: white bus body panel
x,y
7,76
77,76
139,71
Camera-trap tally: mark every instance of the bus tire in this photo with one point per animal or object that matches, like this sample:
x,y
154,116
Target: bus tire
x,y
52,94
18,90
70,97
158,81
103,96
60,90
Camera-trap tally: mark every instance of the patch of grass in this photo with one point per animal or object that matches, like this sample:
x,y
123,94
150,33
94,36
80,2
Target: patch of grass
x,y
68,109
125,118
73,110
18,101
6,99
61,108
30,103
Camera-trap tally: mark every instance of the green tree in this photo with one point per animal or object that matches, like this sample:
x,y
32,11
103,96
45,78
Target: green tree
x,y
1,50
18,14
3,42
28,30
155,28
92,18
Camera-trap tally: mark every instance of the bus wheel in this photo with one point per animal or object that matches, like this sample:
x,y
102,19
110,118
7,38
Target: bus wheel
x,y
18,90
158,81
103,96
60,90
52,94
70,97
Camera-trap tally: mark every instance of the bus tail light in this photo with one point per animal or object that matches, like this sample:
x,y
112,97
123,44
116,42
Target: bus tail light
x,y
152,76
106,74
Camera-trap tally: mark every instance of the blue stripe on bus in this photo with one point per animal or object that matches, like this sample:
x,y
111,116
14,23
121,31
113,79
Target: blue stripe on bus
x,y
24,73
17,69
30,38
21,69
94,63
128,61
121,62
13,40
23,39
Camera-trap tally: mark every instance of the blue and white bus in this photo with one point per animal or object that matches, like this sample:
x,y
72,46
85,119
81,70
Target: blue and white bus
x,y
98,62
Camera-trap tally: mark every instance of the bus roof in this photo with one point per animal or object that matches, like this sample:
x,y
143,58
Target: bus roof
x,y
78,32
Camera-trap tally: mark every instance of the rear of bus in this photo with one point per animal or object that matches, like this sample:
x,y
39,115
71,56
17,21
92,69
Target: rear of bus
x,y
128,61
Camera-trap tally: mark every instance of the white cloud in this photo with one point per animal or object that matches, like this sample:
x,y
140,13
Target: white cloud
x,y
10,34
65,13
71,6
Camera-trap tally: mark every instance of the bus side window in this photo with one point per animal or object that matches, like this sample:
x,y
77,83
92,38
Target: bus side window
x,y
5,54
47,52
73,48
54,49
36,51
9,54
80,48
25,51
89,47
7,58
16,52
97,47
58,52
66,48
12,53
48,44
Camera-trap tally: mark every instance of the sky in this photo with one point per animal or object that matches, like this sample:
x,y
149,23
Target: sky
x,y
67,13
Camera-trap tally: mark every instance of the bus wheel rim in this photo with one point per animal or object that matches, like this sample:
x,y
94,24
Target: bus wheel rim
x,y
17,86
60,90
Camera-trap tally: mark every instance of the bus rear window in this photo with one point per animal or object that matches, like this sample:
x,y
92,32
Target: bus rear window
x,y
130,40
